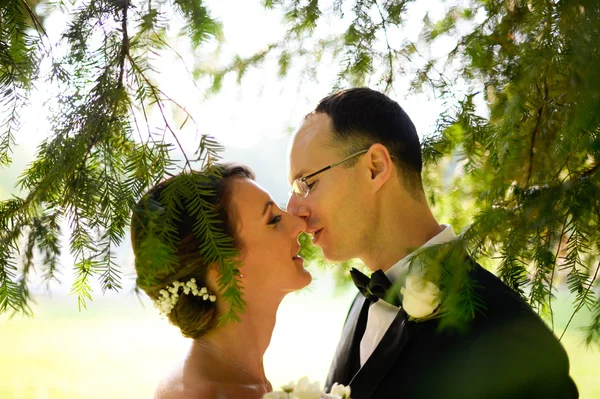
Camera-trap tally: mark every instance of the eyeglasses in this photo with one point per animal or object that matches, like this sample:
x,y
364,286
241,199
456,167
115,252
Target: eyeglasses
x,y
300,186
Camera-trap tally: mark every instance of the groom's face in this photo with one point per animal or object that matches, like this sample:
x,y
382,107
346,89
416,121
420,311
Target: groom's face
x,y
334,208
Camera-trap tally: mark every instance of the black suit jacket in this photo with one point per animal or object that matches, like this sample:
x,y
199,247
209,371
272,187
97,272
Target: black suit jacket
x,y
507,352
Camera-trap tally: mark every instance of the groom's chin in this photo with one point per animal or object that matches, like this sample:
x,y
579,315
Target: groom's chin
x,y
331,256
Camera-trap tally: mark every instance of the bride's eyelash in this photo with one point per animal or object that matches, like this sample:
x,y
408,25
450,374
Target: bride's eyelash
x,y
275,220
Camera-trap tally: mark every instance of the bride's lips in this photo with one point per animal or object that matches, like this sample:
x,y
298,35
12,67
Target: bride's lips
x,y
296,257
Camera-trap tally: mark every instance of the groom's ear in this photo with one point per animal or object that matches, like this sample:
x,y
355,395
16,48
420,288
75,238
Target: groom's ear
x,y
380,165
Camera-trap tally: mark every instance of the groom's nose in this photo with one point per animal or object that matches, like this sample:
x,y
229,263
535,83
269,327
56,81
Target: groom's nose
x,y
297,208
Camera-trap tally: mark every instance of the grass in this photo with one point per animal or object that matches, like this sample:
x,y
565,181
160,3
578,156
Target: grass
x,y
117,349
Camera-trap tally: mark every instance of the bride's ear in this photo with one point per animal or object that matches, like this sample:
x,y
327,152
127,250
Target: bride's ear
x,y
380,165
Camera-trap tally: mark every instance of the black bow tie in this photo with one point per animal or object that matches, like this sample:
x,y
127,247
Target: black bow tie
x,y
374,288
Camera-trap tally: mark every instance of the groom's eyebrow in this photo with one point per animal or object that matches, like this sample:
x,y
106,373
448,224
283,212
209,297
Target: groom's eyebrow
x,y
298,174
267,205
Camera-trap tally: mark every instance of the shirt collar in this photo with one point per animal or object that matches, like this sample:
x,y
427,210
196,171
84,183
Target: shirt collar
x,y
444,236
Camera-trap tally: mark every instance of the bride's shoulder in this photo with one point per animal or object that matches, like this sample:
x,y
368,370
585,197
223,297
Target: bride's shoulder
x,y
179,384
209,390
198,390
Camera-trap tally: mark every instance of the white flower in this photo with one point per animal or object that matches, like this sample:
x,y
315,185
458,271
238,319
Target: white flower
x,y
340,390
304,389
289,387
420,297
307,390
170,295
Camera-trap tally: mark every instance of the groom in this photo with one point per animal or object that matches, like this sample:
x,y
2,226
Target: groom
x,y
355,169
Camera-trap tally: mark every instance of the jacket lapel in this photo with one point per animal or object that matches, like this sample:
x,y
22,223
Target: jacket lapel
x,y
343,367
368,378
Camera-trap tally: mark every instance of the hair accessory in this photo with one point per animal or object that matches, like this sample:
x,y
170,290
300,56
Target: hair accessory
x,y
169,295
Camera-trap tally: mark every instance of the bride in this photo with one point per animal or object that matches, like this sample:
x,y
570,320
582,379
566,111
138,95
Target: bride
x,y
224,360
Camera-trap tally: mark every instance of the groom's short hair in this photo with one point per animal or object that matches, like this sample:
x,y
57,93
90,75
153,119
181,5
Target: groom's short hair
x,y
361,117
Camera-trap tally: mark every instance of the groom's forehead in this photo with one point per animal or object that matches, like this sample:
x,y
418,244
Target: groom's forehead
x,y
313,133
308,149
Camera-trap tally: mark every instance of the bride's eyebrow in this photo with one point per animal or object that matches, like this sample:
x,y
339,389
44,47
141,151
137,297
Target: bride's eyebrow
x,y
267,205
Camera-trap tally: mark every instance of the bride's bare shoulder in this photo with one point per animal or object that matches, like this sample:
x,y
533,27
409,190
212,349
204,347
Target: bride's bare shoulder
x,y
198,390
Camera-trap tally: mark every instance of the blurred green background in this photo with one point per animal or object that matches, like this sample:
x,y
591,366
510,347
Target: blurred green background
x,y
120,349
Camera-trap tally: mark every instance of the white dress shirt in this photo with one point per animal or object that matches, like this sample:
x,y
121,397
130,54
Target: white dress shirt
x,y
381,313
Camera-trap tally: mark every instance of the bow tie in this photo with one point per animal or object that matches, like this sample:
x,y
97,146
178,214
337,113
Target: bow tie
x,y
374,288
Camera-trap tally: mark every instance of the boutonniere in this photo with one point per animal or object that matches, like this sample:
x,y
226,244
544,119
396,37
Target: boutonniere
x,y
304,389
420,298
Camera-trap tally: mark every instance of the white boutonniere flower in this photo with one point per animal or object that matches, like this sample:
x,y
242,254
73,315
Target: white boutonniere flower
x,y
340,390
304,389
420,297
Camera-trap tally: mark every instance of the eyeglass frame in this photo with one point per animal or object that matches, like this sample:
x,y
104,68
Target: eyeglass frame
x,y
305,178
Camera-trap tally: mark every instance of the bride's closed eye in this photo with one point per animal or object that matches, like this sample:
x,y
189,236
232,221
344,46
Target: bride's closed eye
x,y
276,219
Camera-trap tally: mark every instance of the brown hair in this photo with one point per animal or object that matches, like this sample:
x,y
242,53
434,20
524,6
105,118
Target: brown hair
x,y
191,314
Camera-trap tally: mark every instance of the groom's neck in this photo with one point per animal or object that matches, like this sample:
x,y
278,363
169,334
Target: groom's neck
x,y
400,230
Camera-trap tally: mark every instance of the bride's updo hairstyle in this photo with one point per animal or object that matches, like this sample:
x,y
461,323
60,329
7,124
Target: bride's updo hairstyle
x,y
167,238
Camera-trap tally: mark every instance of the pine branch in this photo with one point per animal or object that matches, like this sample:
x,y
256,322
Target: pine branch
x,y
558,248
167,45
217,248
155,95
390,78
582,302
532,146
590,172
124,44
36,22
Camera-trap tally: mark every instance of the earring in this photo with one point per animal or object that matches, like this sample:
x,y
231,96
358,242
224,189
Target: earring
x,y
241,275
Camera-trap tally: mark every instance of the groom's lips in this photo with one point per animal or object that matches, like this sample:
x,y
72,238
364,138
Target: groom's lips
x,y
316,236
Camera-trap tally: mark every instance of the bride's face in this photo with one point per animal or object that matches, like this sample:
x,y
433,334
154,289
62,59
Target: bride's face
x,y
269,238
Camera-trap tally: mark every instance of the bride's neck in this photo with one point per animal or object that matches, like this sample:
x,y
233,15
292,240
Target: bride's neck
x,y
245,342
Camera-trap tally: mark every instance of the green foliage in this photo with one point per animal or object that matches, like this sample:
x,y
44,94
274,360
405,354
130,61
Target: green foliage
x,y
520,177
200,26
449,266
18,67
357,48
159,239
513,162
98,161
